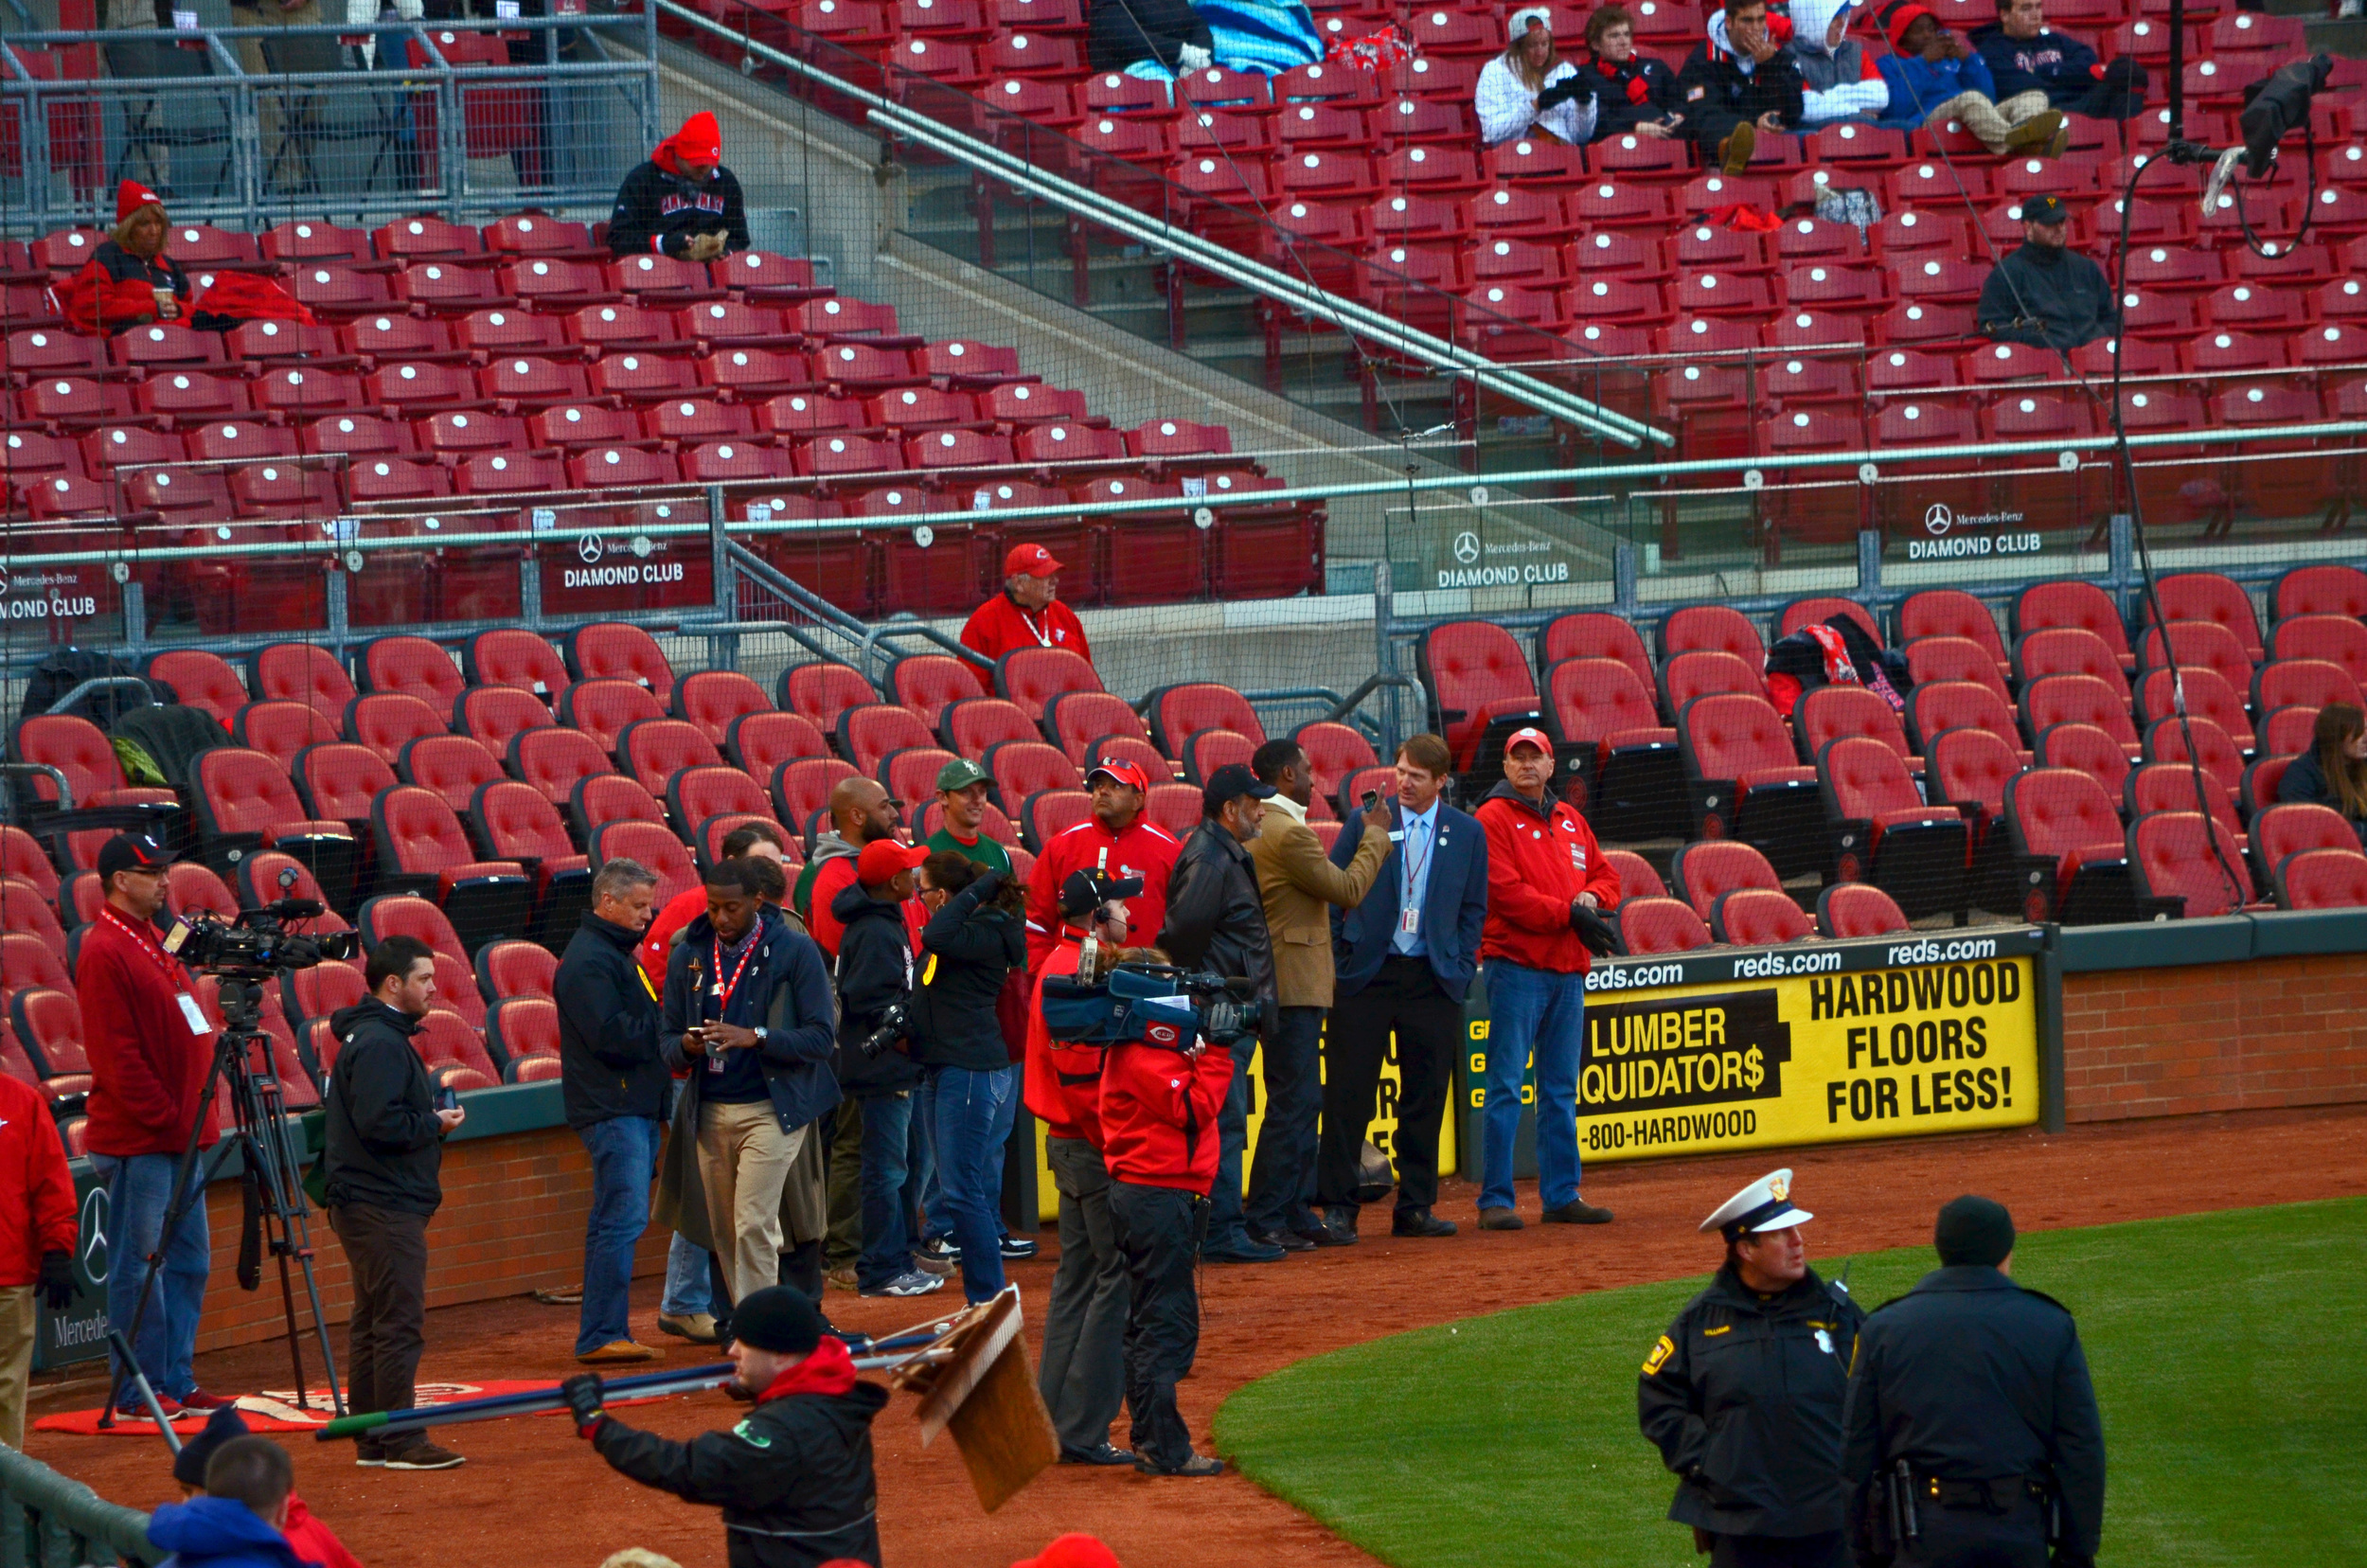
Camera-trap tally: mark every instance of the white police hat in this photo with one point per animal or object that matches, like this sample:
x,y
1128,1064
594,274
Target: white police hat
x,y
1764,1205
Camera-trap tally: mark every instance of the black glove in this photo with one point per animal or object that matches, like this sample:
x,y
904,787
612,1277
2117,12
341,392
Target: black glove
x,y
1593,930
1562,92
582,1393
57,1280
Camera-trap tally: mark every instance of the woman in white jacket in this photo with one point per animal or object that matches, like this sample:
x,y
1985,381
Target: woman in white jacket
x,y
1528,85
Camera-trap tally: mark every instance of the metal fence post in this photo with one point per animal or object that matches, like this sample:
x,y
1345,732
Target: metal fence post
x,y
723,647
1385,657
530,587
2122,575
1869,563
340,600
1623,599
134,615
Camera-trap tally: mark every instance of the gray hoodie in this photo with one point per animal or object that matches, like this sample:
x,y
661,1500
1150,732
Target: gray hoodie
x,y
1838,83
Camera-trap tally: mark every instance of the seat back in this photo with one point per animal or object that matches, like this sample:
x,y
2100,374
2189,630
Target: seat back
x,y
1179,712
1592,699
1753,917
819,692
868,734
699,792
2309,684
338,780
2208,696
2184,854
2288,830
1933,710
2337,639
1971,767
521,1026
1704,871
2323,879
2170,787
2168,742
2070,604
2067,651
514,969
386,721
1831,713
2207,596
418,832
654,750
1333,752
1660,925
2204,643
1848,910
455,766
301,672
1931,660
760,742
1949,612
510,657
1817,612
1730,735
409,915
1033,676
605,708
712,699
1863,779
414,666
553,760
618,651
74,746
1474,671
241,791
2327,590
2052,811
496,715
1595,634
928,683
518,822
2075,700
802,787
652,845
1712,625
200,679
1706,672
972,726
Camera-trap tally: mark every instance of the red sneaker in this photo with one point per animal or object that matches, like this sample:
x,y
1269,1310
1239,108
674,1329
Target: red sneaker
x,y
133,1410
197,1398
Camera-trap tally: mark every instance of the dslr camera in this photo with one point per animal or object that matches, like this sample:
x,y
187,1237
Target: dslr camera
x,y
895,1021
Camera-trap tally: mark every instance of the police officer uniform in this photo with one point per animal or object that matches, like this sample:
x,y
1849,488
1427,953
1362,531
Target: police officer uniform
x,y
1973,1436
1743,1396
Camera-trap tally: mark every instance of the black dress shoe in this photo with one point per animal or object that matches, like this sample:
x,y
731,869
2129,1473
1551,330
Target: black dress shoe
x,y
1419,1221
1577,1211
1340,1219
1103,1454
1320,1235
1197,1467
1290,1242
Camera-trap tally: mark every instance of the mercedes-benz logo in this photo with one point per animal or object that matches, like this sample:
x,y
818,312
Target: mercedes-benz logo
x,y
1467,548
4,579
94,1236
1937,519
588,549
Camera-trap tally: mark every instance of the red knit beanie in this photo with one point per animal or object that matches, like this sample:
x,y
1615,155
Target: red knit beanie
x,y
1894,27
131,196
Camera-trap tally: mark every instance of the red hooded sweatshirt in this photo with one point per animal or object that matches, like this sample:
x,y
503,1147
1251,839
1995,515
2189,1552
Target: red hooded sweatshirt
x,y
36,1191
1063,1081
1540,859
149,1062
1158,1113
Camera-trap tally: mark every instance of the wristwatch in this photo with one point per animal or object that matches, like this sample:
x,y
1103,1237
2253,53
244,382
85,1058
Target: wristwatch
x,y
762,1034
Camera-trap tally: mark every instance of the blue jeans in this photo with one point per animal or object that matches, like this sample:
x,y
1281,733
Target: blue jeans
x,y
140,1187
686,1292
1225,1228
887,1247
935,1219
974,1121
1541,1013
624,1157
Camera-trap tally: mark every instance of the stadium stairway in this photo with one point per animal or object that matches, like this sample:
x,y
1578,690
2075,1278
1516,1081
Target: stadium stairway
x,y
896,239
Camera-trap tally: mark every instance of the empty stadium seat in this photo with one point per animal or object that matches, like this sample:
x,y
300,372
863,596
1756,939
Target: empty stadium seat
x,y
1754,917
820,692
615,649
508,970
604,709
2067,838
1481,689
1628,764
1854,910
423,849
245,802
1746,783
515,822
1704,871
1033,676
2323,879
1660,925
2189,861
1885,833
654,845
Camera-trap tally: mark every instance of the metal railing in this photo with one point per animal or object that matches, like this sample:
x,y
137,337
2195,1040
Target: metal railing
x,y
47,1520
247,127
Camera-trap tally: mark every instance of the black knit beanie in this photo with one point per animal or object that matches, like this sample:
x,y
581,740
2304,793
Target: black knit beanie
x,y
777,1319
1974,1230
189,1465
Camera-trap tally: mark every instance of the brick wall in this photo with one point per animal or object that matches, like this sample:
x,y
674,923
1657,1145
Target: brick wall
x,y
512,1221
2215,1037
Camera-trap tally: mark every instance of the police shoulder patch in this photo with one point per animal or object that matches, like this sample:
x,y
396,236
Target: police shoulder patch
x,y
745,1432
1659,1358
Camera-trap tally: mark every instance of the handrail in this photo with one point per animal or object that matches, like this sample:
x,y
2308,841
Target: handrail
x,y
42,1510
1296,294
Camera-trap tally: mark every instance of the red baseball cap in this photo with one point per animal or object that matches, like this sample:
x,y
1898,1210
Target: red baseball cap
x,y
1072,1550
882,859
1530,737
1029,561
1125,772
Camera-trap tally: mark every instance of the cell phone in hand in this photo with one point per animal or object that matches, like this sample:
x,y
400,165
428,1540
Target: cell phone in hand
x,y
1371,798
447,1099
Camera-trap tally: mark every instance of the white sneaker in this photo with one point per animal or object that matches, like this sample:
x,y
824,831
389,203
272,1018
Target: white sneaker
x,y
912,1282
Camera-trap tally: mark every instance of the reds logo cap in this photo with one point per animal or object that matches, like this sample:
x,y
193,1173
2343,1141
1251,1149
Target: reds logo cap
x,y
1029,561
1118,771
1530,737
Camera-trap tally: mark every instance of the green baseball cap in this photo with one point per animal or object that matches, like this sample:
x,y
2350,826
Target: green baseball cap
x,y
960,773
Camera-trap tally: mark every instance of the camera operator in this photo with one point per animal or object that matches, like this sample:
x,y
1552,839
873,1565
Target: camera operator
x,y
875,1069
748,1015
1216,920
383,1151
151,1050
1082,1375
615,1081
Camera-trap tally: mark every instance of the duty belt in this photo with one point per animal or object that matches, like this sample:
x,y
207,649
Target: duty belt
x,y
1993,1496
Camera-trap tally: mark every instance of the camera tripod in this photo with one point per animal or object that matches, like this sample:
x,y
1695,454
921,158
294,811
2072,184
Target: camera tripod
x,y
275,1210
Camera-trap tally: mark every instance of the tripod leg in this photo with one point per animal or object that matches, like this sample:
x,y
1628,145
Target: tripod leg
x,y
147,1395
296,1342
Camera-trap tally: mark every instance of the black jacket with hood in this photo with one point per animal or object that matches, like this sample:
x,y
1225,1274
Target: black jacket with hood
x,y
1215,917
383,1146
787,991
659,209
970,947
2048,297
608,1060
874,970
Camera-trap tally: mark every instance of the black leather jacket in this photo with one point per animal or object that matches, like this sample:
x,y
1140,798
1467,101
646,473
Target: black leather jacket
x,y
1216,918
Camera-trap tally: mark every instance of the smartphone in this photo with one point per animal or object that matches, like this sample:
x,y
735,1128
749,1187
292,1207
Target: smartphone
x,y
447,1099
1372,798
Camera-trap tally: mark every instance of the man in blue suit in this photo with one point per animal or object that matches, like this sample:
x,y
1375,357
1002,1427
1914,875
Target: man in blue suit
x,y
1404,956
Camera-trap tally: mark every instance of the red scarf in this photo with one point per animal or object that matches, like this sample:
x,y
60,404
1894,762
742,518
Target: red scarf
x,y
828,1370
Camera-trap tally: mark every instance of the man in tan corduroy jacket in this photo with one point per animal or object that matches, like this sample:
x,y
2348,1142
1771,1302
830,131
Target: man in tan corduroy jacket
x,y
1299,886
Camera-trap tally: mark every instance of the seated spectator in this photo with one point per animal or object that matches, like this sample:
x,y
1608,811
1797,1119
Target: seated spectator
x,y
2024,56
1638,91
237,1522
2043,293
1530,86
1838,81
1932,75
1737,84
1123,33
130,280
1026,613
682,201
2333,771
312,1541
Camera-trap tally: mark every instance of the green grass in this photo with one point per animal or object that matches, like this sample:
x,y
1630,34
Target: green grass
x,y
2229,1350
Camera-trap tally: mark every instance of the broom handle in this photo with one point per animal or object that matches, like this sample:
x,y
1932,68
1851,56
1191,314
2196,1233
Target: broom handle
x,y
647,1385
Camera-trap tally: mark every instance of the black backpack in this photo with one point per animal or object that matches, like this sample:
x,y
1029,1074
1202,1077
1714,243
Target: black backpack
x,y
172,737
68,668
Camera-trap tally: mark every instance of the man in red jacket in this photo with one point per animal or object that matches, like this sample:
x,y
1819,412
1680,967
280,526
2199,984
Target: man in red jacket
x,y
1547,878
1082,1373
1026,613
1116,841
37,1235
151,1050
1159,1098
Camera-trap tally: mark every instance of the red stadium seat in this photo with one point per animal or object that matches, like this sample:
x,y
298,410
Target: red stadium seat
x,y
868,734
616,650
422,848
553,760
1178,712
2076,604
604,709
2309,684
760,742
200,680
78,748
522,1029
339,781
2334,638
1628,767
1856,910
2208,696
2067,651
1046,815
244,801
819,692
495,715
654,846
1481,687
2204,643
1746,782
1660,925
387,721
1712,627
1706,672
1886,834
1034,676
1702,873
2166,741
1831,713
1080,720
455,766
2187,857
1931,660
801,789
1753,917
2323,879
414,666
2207,596
508,970
2320,591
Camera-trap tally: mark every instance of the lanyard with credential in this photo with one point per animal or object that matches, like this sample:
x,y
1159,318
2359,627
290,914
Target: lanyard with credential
x,y
722,989
1409,913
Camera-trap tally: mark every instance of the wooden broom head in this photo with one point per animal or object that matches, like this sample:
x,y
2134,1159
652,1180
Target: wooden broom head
x,y
985,1392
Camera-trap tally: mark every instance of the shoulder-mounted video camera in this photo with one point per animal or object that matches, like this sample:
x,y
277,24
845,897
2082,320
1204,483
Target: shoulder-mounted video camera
x,y
1160,1003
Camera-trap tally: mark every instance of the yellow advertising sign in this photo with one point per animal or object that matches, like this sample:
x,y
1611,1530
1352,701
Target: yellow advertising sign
x,y
1805,1046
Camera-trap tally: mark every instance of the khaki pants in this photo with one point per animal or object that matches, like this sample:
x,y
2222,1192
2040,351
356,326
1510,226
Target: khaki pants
x,y
269,14
1989,121
744,1160
16,1362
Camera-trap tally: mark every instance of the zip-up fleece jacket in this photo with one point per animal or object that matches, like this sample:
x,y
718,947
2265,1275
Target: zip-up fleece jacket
x,y
659,209
384,1147
1540,859
1159,1110
1918,86
36,1191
